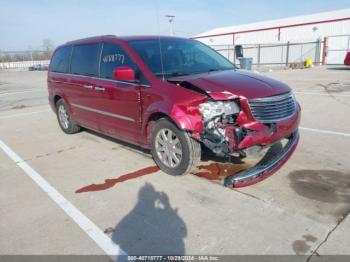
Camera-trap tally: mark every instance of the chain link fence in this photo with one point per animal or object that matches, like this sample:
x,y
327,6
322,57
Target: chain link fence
x,y
276,54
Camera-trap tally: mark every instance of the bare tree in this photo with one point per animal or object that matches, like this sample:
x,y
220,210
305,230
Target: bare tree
x,y
48,47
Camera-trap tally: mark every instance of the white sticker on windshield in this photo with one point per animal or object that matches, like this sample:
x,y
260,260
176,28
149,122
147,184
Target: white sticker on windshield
x,y
113,58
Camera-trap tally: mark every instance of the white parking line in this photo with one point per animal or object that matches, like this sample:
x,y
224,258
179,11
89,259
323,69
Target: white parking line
x,y
24,114
319,94
324,131
103,241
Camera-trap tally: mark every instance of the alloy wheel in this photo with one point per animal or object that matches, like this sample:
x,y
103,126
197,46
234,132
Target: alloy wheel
x,y
168,148
63,116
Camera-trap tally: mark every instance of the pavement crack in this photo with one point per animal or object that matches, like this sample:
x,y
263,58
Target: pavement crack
x,y
250,195
59,151
315,252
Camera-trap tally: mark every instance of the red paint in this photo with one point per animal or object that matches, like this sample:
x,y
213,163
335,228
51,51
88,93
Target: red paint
x,y
112,182
227,85
127,110
145,104
217,171
124,73
275,27
347,59
325,50
262,137
267,174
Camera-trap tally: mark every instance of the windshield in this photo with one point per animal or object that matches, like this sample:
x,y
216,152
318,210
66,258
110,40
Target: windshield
x,y
179,57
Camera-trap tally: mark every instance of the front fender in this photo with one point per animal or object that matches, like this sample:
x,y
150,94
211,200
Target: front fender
x,y
187,118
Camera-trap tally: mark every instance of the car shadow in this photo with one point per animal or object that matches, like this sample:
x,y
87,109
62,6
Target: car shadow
x,y
211,167
123,144
152,227
339,68
206,156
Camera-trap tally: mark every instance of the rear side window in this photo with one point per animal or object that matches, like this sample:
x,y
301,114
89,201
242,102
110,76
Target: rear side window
x,y
112,57
60,60
85,60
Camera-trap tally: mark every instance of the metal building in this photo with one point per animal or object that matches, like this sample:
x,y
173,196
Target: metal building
x,y
323,36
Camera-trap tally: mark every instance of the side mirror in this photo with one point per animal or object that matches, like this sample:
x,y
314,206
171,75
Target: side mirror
x,y
124,73
238,51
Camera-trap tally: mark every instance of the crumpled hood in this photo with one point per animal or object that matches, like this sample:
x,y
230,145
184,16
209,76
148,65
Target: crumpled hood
x,y
229,84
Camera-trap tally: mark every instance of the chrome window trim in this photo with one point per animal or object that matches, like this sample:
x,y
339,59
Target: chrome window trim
x,y
103,112
104,79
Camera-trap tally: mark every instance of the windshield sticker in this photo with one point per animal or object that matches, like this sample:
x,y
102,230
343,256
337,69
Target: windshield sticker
x,y
114,58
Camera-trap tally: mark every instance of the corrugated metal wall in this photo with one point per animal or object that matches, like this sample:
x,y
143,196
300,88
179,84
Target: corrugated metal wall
x,y
338,46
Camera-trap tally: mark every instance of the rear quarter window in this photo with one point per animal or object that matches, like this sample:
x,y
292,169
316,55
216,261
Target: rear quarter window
x,y
60,60
85,59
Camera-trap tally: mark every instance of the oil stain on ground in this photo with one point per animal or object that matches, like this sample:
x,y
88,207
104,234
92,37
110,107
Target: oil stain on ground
x,y
302,246
19,106
329,187
108,183
217,171
336,87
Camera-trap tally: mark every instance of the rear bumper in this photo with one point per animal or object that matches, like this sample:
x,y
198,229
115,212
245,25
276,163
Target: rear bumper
x,y
266,167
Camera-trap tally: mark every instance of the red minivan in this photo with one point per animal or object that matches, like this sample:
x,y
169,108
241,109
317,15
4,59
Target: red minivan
x,y
173,96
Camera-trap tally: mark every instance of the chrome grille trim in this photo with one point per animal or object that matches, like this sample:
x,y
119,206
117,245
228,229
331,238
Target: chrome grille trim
x,y
273,108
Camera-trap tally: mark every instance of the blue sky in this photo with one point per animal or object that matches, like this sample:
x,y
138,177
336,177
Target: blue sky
x,y
24,24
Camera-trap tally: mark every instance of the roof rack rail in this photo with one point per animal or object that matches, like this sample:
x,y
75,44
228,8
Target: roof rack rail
x,y
91,37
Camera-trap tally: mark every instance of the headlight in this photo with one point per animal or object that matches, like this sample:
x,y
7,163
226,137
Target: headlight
x,y
211,109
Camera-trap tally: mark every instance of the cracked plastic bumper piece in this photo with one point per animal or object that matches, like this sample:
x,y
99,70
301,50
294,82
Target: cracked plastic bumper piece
x,y
264,168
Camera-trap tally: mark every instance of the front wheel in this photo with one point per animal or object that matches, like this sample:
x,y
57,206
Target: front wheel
x,y
174,151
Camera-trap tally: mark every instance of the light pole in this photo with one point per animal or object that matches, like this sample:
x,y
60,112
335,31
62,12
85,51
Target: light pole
x,y
171,20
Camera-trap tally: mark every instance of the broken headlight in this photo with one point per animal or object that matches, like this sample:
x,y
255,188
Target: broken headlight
x,y
212,109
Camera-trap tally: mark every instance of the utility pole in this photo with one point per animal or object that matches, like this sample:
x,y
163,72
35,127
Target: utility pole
x,y
171,20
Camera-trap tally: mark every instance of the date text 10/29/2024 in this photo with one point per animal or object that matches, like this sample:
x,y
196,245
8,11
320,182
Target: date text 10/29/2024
x,y
173,258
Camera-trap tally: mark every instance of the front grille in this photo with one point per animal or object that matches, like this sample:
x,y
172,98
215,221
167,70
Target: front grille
x,y
273,108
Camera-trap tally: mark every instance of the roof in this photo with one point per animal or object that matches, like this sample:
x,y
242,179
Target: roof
x,y
147,37
124,38
92,38
285,22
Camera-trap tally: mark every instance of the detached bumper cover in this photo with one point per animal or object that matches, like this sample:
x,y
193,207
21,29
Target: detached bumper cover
x,y
266,167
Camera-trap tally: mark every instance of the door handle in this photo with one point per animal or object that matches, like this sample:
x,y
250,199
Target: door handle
x,y
97,88
88,87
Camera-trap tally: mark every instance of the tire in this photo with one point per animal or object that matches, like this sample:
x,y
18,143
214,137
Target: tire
x,y
180,141
64,118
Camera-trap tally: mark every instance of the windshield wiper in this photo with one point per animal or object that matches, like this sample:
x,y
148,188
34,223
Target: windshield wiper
x,y
174,74
214,69
178,74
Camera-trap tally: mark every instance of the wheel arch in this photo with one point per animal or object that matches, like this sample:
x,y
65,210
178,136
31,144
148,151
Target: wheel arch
x,y
177,116
56,98
152,119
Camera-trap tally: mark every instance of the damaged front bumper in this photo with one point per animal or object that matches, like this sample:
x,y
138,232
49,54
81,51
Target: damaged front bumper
x,y
267,166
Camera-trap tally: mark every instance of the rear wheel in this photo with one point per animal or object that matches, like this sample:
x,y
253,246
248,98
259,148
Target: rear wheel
x,y
174,151
64,119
